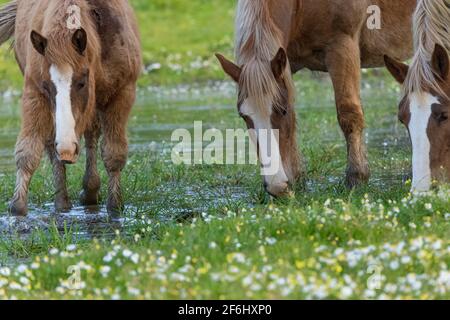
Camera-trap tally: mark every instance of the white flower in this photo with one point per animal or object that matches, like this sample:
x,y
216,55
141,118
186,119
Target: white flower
x,y
71,247
108,257
406,259
213,245
127,253
135,258
394,265
53,252
22,268
271,241
5,271
105,270
346,292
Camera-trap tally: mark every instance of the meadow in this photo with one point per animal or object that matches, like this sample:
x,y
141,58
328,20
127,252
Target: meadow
x,y
210,231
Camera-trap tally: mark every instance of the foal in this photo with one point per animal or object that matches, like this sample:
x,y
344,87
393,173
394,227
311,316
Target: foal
x,y
81,60
276,38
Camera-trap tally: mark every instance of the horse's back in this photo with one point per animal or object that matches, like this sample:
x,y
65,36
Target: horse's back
x,y
323,23
394,35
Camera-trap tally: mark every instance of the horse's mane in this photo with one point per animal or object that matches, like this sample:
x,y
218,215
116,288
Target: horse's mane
x,y
431,27
55,28
257,41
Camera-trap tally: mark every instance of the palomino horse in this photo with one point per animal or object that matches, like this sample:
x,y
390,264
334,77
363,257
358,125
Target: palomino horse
x,y
425,107
275,38
81,60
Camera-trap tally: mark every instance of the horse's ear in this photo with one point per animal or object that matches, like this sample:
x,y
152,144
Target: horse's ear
x,y
279,63
440,62
229,67
398,69
39,42
79,40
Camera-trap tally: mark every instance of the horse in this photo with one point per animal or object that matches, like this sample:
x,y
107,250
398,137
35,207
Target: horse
x,y
81,60
425,107
277,38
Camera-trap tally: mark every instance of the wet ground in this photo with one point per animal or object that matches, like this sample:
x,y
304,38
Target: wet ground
x,y
160,111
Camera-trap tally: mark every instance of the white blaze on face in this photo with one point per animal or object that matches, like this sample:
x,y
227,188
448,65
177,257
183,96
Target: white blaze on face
x,y
269,150
420,109
64,120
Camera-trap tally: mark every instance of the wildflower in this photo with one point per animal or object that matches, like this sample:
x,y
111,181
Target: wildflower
x,y
105,270
5,271
213,245
22,268
71,247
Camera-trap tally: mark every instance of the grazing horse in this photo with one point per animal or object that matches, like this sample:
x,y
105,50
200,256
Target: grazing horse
x,y
425,108
81,60
276,38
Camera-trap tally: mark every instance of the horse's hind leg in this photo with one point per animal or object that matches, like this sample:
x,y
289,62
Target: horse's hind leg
x,y
114,147
91,182
344,66
62,201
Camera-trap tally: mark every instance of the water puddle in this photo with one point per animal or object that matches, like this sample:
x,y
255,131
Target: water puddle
x,y
82,222
158,112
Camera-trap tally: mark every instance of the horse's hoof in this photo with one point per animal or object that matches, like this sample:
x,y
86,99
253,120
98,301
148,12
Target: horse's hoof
x,y
89,198
63,205
18,209
355,179
114,207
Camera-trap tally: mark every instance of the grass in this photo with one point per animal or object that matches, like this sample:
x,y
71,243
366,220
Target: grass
x,y
210,231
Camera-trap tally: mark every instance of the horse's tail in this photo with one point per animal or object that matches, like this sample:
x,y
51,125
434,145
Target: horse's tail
x,y
8,14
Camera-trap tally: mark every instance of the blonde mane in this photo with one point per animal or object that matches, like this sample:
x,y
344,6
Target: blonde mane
x,y
431,27
55,29
258,40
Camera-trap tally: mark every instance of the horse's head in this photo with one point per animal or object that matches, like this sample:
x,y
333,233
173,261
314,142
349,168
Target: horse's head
x,y
426,115
266,103
66,82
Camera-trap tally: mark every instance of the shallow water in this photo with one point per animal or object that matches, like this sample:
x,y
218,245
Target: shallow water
x,y
159,111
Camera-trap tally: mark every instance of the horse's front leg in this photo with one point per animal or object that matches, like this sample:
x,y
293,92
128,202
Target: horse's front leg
x,y
114,148
62,201
28,155
91,181
344,66
30,146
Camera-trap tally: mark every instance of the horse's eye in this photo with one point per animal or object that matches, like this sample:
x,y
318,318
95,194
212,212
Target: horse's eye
x,y
81,84
440,116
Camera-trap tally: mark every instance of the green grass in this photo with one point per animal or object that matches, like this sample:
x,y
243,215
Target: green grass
x,y
210,231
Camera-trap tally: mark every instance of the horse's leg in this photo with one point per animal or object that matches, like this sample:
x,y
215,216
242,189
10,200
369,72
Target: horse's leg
x,y
62,201
91,182
29,149
114,147
344,66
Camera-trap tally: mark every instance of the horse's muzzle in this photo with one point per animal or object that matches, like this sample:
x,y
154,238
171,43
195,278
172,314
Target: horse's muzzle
x,y
68,153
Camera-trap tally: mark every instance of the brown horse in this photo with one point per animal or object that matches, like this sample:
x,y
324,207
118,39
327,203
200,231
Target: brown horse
x,y
275,38
81,60
425,107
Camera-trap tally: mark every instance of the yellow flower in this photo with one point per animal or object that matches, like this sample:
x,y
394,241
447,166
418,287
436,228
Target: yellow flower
x,y
300,264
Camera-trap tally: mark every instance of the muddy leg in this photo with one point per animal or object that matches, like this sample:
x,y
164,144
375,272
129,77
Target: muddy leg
x,y
343,61
91,182
62,201
115,145
29,148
